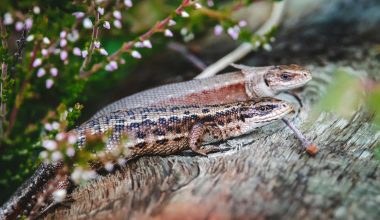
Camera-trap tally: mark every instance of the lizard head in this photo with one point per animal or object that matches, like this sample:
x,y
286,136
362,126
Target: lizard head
x,y
264,110
286,77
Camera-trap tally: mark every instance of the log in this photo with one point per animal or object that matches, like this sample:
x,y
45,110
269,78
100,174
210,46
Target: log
x,y
266,174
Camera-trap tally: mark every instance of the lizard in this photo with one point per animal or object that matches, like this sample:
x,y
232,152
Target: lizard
x,y
171,129
244,84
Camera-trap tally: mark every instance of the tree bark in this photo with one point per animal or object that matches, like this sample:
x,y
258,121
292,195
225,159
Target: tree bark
x,y
266,175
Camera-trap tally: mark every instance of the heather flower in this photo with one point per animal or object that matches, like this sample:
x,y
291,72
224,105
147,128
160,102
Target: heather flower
x,y
41,72
117,14
56,156
60,136
117,24
19,26
63,55
54,72
234,32
108,166
136,54
77,51
37,62
147,43
168,33
70,152
84,53
28,23
30,38
172,23
49,83
102,51
79,14
184,14
218,30
8,19
210,3
36,10
97,44
101,11
63,42
242,23
106,25
111,66
63,34
87,23
198,5
73,36
46,40
49,145
72,139
139,44
128,3
44,52
267,47
59,195
48,127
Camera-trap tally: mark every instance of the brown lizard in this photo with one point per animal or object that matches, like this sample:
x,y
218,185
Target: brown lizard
x,y
170,129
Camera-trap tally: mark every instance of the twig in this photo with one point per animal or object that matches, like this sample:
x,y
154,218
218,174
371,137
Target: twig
x,y
311,148
20,94
95,33
189,56
127,46
4,70
245,48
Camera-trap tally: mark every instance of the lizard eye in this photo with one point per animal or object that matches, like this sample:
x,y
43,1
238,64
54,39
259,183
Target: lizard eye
x,y
264,108
286,76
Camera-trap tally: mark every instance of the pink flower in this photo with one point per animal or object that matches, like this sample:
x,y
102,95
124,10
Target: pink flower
x,y
147,43
103,52
101,11
172,22
87,23
242,23
44,52
184,14
139,44
234,32
54,72
28,23
19,26
63,42
41,72
77,51
63,55
49,145
37,62
97,44
218,30
168,33
111,66
78,14
49,83
106,25
128,3
117,24
84,53
117,14
198,5
136,54
63,34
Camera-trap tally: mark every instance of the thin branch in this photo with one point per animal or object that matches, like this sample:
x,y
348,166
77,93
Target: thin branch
x,y
20,95
245,48
127,46
95,33
4,72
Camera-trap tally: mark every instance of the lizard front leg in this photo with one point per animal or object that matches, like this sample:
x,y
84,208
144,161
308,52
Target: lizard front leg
x,y
196,137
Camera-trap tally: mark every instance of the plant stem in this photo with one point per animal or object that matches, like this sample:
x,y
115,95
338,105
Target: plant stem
x,y
4,70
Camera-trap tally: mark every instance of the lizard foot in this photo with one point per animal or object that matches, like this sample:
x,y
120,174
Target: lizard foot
x,y
66,203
